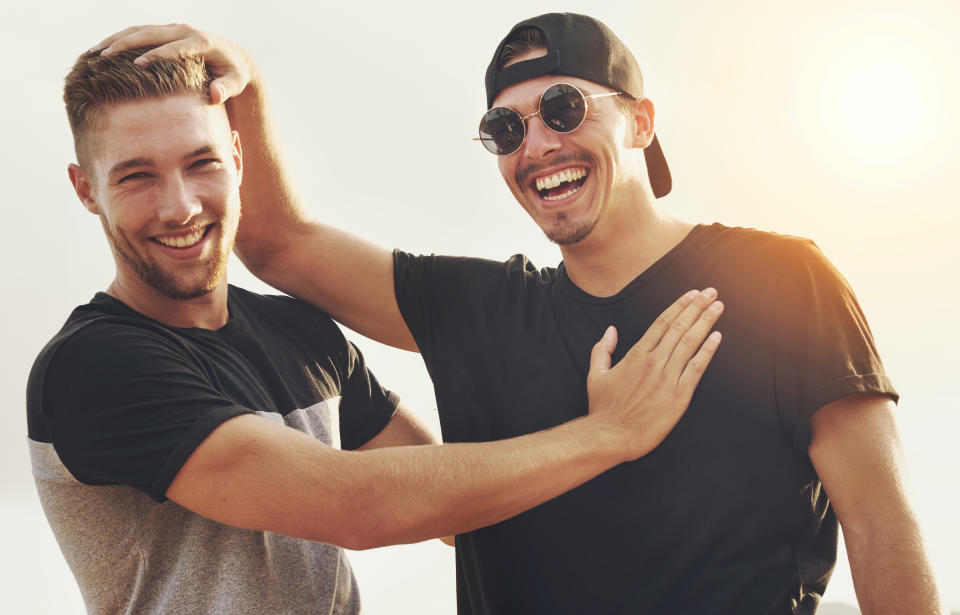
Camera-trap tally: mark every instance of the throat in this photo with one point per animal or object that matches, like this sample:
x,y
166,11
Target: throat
x,y
608,260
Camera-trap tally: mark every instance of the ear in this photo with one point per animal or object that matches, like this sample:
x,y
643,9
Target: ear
x,y
238,156
83,186
642,124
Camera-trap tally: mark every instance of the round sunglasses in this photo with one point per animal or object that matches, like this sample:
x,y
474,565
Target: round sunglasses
x,y
562,108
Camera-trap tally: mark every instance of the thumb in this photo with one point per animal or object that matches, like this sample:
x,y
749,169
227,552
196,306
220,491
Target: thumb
x,y
600,356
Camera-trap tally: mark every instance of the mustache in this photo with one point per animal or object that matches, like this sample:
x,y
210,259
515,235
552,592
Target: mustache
x,y
192,227
524,173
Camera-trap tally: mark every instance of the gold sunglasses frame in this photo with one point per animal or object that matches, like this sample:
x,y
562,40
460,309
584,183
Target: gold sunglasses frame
x,y
524,118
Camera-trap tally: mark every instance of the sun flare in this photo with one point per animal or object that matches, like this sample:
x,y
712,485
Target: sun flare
x,y
869,97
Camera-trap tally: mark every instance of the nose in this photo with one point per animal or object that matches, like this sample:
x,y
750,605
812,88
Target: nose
x,y
179,202
540,141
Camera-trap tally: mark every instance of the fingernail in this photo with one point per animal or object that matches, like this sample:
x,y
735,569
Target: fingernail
x,y
714,337
692,294
716,306
710,293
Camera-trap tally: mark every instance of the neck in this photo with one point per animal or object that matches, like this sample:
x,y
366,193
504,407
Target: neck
x,y
623,247
208,311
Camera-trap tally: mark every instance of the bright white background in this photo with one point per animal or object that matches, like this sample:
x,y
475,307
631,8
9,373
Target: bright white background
x,y
829,119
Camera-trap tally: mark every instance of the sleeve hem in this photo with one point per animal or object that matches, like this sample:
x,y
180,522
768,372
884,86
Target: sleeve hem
x,y
197,433
391,403
856,384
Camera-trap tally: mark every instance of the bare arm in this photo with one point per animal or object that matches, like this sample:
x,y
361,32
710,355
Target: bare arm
x,y
404,429
255,474
346,276
856,451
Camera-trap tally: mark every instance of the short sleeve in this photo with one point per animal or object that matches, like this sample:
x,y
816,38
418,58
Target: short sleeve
x,y
823,347
450,303
365,406
416,282
128,406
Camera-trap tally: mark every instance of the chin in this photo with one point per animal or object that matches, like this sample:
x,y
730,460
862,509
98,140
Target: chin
x,y
176,287
568,233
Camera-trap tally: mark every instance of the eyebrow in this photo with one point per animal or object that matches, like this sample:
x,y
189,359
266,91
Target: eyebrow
x,y
146,162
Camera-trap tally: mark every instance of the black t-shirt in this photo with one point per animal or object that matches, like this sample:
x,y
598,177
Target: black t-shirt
x,y
727,515
125,399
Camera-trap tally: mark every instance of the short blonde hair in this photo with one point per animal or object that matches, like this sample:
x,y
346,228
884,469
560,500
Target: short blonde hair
x,y
97,81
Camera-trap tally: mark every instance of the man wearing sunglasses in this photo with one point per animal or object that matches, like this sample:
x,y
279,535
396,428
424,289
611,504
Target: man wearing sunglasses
x,y
730,514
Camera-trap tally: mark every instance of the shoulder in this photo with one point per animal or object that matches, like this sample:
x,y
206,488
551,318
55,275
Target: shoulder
x,y
283,314
103,329
470,270
768,251
98,348
752,240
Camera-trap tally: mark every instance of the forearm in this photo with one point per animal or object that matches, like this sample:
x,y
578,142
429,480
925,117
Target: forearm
x,y
256,474
408,494
271,209
891,573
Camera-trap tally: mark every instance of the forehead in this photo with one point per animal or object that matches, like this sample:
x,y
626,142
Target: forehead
x,y
157,128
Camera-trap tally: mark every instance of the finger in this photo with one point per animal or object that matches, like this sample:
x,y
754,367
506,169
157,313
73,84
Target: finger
x,y
651,337
691,340
696,366
226,87
601,355
193,46
116,35
683,322
150,36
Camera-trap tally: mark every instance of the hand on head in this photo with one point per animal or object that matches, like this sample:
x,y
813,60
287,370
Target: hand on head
x,y
231,66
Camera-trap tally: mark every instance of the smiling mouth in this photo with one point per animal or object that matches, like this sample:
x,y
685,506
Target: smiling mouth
x,y
562,184
183,240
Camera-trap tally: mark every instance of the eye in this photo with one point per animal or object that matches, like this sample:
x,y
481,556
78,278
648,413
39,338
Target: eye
x,y
206,162
132,177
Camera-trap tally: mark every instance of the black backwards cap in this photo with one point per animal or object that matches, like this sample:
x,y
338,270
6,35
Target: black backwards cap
x,y
581,46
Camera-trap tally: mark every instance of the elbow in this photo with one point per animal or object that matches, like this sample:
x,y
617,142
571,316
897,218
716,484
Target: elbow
x,y
358,537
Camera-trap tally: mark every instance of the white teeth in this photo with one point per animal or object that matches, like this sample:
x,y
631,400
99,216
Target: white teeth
x,y
574,190
181,241
566,175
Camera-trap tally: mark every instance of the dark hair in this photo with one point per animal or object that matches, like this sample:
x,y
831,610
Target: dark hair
x,y
96,81
519,42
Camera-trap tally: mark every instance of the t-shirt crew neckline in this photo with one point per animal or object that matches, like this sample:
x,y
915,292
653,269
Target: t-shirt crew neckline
x,y
111,303
568,286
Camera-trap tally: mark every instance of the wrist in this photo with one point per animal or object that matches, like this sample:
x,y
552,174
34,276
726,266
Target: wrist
x,y
607,437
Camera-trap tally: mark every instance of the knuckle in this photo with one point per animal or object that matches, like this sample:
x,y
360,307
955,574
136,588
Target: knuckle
x,y
697,364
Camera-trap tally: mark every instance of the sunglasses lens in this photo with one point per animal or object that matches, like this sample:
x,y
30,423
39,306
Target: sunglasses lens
x,y
501,131
562,108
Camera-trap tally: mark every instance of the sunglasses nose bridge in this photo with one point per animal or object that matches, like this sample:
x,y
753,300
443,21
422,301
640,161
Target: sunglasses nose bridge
x,y
540,138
